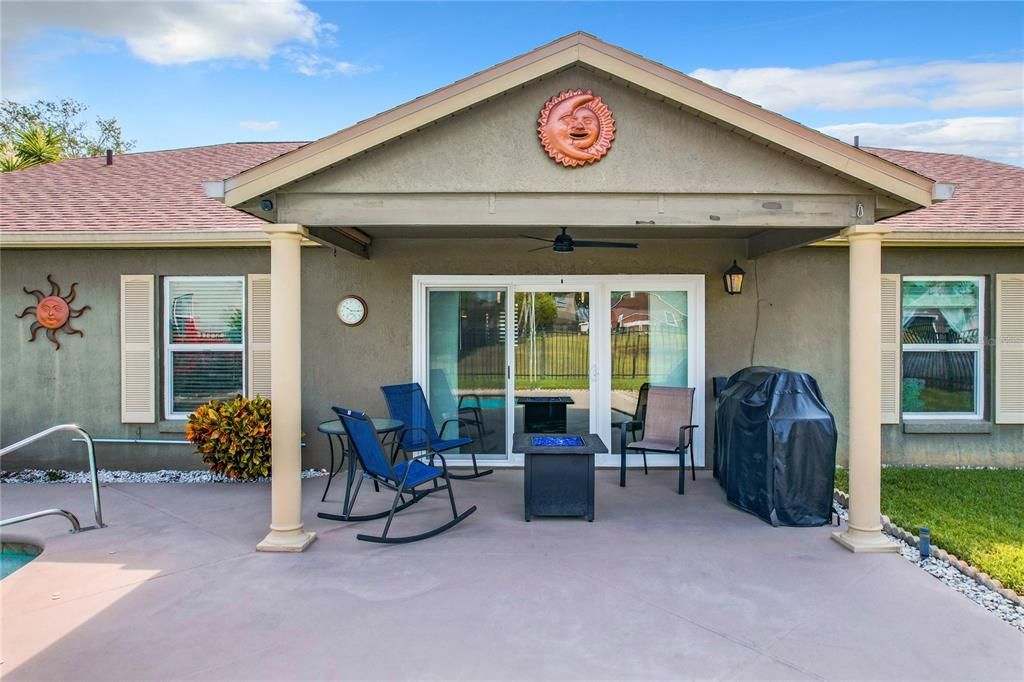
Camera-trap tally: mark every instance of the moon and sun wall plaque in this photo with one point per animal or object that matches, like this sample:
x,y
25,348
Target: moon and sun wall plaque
x,y
576,128
53,312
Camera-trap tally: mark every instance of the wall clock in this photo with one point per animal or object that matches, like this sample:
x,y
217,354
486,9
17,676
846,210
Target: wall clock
x,y
351,310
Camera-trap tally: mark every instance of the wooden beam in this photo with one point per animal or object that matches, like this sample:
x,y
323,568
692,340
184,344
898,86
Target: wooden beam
x,y
774,241
345,238
574,209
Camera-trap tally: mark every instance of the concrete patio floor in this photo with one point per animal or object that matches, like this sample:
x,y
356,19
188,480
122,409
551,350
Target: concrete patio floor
x,y
658,587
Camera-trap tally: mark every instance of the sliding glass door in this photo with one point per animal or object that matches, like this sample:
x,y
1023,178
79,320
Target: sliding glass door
x,y
552,360
648,346
555,354
467,363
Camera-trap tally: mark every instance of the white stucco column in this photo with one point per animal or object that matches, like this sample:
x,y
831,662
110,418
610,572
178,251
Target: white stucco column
x,y
286,531
864,529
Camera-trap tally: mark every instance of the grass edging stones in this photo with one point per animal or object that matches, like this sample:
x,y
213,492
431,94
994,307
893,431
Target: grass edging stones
x,y
974,516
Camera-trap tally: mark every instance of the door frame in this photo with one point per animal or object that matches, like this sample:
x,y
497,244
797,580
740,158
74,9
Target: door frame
x,y
600,288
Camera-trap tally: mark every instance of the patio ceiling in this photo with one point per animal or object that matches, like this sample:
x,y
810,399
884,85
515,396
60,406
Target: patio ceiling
x,y
759,241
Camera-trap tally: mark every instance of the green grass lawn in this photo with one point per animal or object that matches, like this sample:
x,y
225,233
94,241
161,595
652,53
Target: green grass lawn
x,y
977,514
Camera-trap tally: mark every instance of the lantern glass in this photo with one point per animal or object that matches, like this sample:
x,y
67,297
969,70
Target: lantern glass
x,y
733,279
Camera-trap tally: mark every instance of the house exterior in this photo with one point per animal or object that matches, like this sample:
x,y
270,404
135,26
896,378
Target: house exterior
x,y
896,278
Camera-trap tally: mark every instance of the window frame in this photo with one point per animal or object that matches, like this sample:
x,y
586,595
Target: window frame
x,y
170,348
978,348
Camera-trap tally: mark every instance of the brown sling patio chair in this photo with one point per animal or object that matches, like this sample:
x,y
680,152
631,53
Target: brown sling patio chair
x,y
667,428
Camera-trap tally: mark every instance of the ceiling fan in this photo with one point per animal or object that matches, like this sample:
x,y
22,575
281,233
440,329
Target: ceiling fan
x,y
564,243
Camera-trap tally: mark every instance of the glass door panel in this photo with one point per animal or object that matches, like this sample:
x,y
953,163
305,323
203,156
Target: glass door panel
x,y
649,345
467,364
552,362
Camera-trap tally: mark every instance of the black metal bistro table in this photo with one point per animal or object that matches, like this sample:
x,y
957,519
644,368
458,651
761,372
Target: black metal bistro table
x,y
334,428
544,414
558,479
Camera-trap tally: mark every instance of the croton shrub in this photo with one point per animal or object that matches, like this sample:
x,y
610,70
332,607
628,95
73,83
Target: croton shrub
x,y
233,436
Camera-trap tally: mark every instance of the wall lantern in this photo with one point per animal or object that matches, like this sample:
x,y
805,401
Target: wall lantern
x,y
733,279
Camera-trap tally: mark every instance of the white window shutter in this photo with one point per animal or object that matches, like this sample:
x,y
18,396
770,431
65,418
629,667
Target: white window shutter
x,y
138,349
1009,349
891,349
259,336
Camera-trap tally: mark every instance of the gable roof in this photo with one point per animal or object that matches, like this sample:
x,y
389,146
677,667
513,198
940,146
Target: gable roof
x,y
147,191
989,196
153,193
580,48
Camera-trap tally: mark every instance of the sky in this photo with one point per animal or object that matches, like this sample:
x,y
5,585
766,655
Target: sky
x,y
944,77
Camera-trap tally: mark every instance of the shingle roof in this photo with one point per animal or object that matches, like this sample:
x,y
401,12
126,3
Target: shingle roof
x,y
163,190
989,196
147,191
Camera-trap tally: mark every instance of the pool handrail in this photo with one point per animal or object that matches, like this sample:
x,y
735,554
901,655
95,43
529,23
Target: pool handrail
x,y
91,449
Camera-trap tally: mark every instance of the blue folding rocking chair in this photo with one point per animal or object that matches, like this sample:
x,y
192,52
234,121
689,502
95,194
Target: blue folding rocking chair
x,y
404,478
407,403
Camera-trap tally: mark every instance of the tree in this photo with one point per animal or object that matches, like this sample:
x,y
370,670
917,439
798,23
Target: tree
x,y
56,120
31,147
545,310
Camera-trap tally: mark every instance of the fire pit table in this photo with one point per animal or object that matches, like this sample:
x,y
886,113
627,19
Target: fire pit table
x,y
559,473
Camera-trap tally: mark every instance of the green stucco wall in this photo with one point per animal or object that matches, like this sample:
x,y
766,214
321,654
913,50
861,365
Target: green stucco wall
x,y
802,326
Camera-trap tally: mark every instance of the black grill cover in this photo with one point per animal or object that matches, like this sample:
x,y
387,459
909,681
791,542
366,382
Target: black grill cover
x,y
775,446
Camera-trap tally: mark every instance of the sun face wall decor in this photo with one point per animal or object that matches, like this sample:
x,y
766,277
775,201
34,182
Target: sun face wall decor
x,y
576,128
53,312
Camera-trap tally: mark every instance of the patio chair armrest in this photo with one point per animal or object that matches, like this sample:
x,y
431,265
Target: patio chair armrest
x,y
430,456
626,428
446,422
410,429
683,430
474,396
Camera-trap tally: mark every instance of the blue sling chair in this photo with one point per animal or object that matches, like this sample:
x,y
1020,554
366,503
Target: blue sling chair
x,y
407,403
403,478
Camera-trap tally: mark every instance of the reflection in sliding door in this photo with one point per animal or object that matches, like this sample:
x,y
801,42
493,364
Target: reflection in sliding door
x,y
467,366
649,346
553,366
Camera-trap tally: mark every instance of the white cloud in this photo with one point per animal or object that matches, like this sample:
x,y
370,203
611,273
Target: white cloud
x,y
176,32
862,85
314,64
999,138
260,125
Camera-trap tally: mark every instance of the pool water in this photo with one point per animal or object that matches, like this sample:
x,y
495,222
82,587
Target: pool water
x,y
14,555
486,402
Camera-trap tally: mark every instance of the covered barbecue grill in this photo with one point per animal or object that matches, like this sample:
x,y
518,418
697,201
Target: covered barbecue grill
x,y
775,446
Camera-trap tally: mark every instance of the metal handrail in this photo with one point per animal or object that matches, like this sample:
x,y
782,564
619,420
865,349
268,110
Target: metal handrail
x,y
90,447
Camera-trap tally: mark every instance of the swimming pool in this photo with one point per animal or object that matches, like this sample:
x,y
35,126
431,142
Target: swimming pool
x,y
14,555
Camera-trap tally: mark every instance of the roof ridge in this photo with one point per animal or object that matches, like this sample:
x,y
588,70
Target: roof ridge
x,y
950,154
192,147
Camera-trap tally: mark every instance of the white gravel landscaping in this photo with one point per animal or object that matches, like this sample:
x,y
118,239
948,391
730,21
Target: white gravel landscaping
x,y
105,476
990,599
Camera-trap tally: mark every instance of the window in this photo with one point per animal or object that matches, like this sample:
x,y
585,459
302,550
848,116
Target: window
x,y
204,327
942,347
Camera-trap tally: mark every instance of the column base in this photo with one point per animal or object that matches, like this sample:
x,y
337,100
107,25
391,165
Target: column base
x,y
277,541
862,541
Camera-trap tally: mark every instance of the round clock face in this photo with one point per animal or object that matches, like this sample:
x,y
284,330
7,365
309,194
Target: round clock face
x,y
351,310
